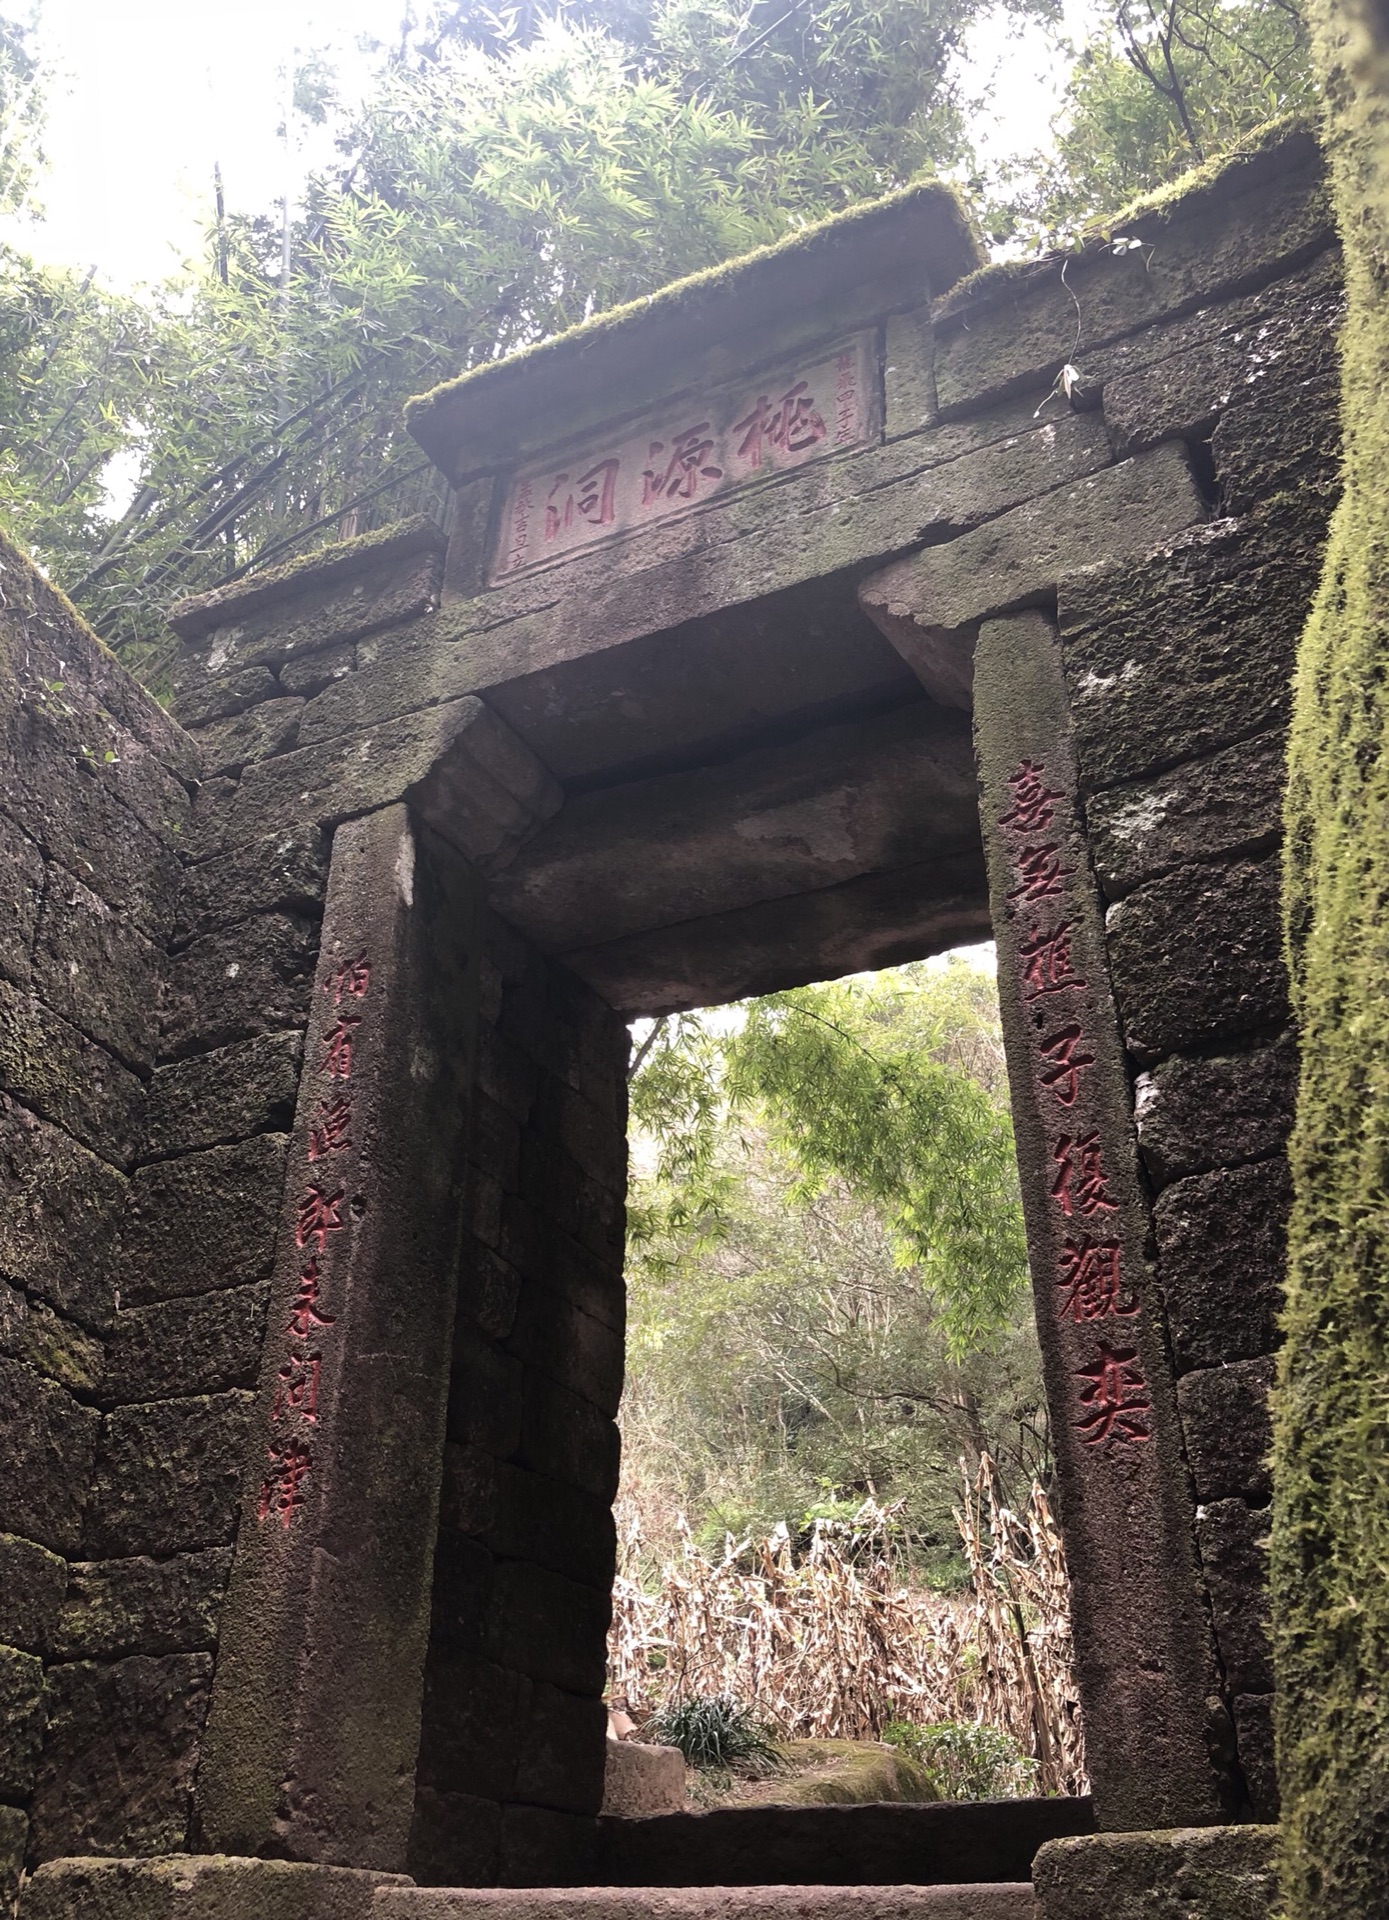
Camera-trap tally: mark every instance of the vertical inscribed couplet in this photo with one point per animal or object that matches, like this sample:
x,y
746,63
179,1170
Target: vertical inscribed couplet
x,y
1145,1665
326,1622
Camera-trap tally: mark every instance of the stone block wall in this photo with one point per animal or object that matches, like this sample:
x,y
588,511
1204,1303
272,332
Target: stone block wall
x,y
513,1745
105,1626
1179,673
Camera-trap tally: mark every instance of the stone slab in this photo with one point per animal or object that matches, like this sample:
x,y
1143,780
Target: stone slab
x,y
32,1584
14,1843
1263,216
839,273
23,866
1144,1659
53,1068
331,600
786,820
945,1843
199,1887
1178,379
1197,957
116,1607
1233,1539
1290,446
196,1343
203,1221
1205,810
59,1349
1254,1732
997,1902
286,869
641,1779
1225,1421
60,1205
1191,649
168,1475
23,1714
1221,1240
216,1099
1210,1873
312,672
46,1448
764,569
250,978
923,602
326,1622
118,1761
882,920
1195,1112
95,968
454,760
268,728
624,479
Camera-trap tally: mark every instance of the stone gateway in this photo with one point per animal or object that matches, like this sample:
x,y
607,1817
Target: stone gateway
x,y
820,613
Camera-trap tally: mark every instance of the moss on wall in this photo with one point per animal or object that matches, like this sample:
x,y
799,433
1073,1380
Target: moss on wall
x,y
1331,1521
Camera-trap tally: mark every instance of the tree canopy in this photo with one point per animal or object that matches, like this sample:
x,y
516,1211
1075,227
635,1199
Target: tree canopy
x,y
509,172
828,1266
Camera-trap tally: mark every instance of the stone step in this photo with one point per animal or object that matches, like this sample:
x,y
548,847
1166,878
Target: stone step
x,y
1001,1900
936,1843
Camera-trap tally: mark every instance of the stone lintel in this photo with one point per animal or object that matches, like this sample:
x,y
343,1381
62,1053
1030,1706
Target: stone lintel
x,y
927,604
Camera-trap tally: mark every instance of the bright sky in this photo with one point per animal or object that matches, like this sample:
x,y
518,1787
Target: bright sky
x,y
151,93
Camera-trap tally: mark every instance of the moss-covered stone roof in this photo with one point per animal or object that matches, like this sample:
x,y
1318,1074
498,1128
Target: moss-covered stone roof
x,y
323,567
837,273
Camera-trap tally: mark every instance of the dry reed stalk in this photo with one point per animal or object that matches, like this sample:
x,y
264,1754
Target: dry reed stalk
x,y
834,1646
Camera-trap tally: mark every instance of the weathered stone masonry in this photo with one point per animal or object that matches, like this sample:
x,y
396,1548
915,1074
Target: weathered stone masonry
x,y
711,742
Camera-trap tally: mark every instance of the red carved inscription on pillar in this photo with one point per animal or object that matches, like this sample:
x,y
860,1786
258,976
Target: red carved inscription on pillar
x,y
294,1411
1113,1394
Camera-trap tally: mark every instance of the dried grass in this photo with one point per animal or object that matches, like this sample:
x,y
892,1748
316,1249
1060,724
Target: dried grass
x,y
833,1645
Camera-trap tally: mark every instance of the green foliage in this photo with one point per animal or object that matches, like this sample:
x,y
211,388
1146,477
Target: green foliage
x,y
508,175
511,172
1331,1434
965,1761
827,1270
1158,90
719,1734
865,1084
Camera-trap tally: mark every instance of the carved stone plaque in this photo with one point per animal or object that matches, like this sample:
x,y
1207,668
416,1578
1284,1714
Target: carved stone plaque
x,y
686,455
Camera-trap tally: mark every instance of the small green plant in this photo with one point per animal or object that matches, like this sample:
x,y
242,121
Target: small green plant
x,y
965,1761
717,1734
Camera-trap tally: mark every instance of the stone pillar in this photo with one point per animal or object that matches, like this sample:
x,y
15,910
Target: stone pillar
x,y
314,1727
1154,1724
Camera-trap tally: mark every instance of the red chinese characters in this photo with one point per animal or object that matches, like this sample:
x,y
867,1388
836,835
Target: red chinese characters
x,y
1034,804
1067,1060
592,498
846,404
522,507
1113,1397
1089,1278
794,425
331,1128
1080,1188
320,1217
1046,964
678,476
